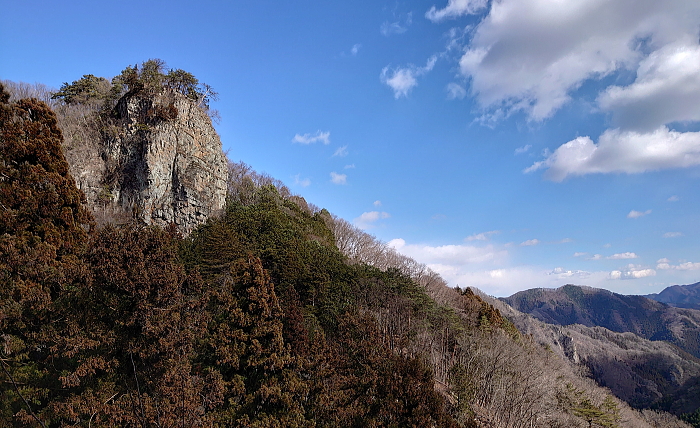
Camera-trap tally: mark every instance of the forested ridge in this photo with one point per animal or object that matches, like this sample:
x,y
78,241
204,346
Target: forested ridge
x,y
273,314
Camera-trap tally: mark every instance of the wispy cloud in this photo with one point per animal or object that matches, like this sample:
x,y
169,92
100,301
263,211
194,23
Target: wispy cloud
x,y
397,27
350,166
672,234
303,182
368,220
339,178
637,214
403,79
665,264
530,242
455,8
355,49
377,203
341,151
673,198
523,149
323,137
621,256
484,236
455,91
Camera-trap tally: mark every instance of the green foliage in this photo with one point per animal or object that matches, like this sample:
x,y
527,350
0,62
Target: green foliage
x,y
604,415
87,89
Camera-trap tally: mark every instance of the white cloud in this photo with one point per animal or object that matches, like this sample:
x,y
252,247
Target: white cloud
x,y
377,203
563,274
369,219
632,272
339,178
455,91
403,79
530,242
303,182
577,254
664,264
523,149
355,49
484,236
672,234
531,55
621,256
596,257
341,151
637,214
449,255
351,166
622,151
673,198
455,8
666,90
324,137
399,27
564,241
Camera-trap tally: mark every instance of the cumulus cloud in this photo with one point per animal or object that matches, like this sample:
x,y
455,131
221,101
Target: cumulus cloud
x,y
377,203
561,273
369,219
530,242
596,257
355,49
672,234
484,236
577,254
532,55
339,178
621,256
323,137
622,151
351,166
456,8
455,91
398,27
341,151
303,182
403,79
637,214
666,89
632,272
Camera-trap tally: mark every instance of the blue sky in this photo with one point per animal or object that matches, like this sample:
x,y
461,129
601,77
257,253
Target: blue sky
x,y
508,145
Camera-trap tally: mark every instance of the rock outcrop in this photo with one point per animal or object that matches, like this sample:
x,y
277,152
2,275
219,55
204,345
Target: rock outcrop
x,y
157,161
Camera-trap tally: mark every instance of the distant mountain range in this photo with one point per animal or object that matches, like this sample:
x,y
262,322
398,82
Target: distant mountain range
x,y
680,296
592,307
629,344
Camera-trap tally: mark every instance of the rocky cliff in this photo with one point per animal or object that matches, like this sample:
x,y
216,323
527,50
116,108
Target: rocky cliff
x,y
157,160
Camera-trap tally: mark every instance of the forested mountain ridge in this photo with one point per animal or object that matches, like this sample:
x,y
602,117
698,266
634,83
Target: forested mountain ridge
x,y
681,296
571,304
644,373
274,313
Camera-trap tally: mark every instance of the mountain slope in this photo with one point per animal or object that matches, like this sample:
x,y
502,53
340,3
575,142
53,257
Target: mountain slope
x,y
591,307
680,296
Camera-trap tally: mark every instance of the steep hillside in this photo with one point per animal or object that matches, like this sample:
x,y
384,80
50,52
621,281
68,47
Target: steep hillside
x,y
680,296
644,373
591,307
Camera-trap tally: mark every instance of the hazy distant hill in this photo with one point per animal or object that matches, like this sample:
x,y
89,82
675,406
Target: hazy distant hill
x,y
680,296
591,307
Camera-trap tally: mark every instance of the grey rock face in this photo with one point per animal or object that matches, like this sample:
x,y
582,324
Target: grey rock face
x,y
159,162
